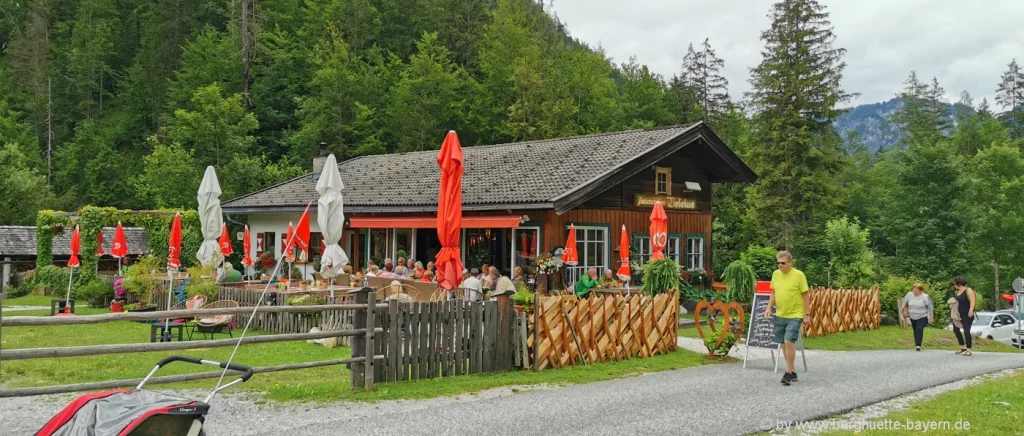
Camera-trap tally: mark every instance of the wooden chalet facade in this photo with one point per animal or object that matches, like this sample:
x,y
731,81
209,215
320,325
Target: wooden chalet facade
x,y
519,199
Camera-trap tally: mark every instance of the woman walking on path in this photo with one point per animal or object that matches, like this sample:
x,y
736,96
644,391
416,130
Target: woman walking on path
x,y
919,311
965,299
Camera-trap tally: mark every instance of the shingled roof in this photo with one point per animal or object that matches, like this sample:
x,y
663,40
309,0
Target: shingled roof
x,y
521,175
21,241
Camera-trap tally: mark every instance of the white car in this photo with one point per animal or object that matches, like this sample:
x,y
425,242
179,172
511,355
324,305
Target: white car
x,y
996,326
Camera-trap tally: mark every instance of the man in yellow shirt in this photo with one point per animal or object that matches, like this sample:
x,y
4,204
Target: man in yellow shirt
x,y
792,308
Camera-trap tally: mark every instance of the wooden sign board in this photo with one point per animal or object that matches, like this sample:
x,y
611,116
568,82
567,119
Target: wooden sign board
x,y
678,203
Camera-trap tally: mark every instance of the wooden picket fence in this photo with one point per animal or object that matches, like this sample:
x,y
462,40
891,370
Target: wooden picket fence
x,y
843,310
569,331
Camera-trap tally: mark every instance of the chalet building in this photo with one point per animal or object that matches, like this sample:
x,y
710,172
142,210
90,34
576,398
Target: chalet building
x,y
519,199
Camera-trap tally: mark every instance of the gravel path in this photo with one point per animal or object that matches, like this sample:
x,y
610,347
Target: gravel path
x,y
687,401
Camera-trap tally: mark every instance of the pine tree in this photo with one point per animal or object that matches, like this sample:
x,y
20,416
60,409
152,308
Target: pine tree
x,y
90,70
702,73
644,98
31,61
795,93
1010,96
923,114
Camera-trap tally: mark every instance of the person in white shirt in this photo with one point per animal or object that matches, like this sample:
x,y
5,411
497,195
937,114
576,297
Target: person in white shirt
x,y
373,271
474,288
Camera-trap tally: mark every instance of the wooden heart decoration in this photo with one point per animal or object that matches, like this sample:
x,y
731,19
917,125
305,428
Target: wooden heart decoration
x,y
712,309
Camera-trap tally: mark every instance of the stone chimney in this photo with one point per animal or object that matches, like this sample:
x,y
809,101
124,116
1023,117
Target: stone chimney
x,y
319,161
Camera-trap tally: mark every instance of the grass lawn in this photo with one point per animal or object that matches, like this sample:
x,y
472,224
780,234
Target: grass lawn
x,y
887,338
33,300
980,405
315,384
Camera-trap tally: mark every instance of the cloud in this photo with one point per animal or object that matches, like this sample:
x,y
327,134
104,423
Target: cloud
x,y
965,46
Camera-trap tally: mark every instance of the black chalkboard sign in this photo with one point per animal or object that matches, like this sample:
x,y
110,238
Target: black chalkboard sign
x,y
761,332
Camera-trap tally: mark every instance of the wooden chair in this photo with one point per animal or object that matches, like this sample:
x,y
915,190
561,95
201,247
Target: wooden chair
x,y
193,303
386,292
214,324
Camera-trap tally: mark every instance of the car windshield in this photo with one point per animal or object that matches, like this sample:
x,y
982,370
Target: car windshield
x,y
983,319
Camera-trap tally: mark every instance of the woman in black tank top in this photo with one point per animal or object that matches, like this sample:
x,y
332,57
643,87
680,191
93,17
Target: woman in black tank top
x,y
965,299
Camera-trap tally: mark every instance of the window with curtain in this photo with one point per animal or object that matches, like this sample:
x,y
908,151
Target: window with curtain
x,y
642,248
694,251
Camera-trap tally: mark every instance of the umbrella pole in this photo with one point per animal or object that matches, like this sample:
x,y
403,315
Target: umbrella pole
x,y
67,299
166,337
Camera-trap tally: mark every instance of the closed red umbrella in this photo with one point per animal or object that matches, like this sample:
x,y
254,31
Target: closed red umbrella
x,y
533,244
246,249
289,245
659,231
225,242
569,255
174,244
524,249
99,243
73,262
449,213
120,247
624,273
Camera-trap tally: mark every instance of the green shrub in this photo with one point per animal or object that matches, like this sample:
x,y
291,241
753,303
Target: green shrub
x,y
523,296
761,259
660,276
892,290
96,288
740,281
52,278
202,281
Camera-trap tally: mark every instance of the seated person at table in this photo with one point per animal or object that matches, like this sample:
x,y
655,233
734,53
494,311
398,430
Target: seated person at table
x,y
387,274
517,275
608,280
586,283
428,277
417,270
473,287
231,275
398,293
503,284
400,272
373,271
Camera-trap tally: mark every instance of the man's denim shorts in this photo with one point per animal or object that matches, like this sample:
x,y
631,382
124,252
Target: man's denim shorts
x,y
787,329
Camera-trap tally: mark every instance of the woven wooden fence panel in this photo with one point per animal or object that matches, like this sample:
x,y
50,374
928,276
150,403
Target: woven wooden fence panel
x,y
843,310
571,331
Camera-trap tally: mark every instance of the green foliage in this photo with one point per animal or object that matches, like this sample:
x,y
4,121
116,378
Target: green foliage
x,y
740,280
138,279
306,300
95,289
728,341
168,163
523,296
850,259
796,93
761,259
894,288
23,191
660,276
52,278
215,128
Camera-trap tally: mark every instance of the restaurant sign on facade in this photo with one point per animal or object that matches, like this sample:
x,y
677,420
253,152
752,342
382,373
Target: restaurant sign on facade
x,y
648,200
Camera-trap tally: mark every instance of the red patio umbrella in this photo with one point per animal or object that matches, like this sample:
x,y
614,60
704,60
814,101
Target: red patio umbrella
x,y
449,213
73,262
659,231
99,243
246,249
623,273
1008,297
302,232
289,245
174,244
569,255
120,247
225,242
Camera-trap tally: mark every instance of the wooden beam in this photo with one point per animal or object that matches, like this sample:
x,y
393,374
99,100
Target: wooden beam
x,y
16,321
92,350
114,384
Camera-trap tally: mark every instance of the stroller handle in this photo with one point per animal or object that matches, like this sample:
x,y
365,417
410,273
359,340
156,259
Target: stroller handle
x,y
246,370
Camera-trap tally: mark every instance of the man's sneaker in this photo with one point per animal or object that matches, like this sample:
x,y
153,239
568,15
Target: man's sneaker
x,y
793,378
787,378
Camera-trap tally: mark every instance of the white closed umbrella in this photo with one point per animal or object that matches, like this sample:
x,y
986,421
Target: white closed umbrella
x,y
331,218
210,218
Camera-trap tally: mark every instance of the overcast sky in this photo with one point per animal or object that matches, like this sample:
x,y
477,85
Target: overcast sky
x,y
966,45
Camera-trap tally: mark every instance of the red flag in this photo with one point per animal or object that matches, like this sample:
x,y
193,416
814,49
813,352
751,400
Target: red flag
x,y
99,243
120,247
246,247
73,262
623,273
174,244
448,260
569,255
302,232
289,245
659,231
225,242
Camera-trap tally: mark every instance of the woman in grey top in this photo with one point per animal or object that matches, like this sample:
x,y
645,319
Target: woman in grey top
x,y
919,311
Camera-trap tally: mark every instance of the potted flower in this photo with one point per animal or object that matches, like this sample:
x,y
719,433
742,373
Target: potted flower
x,y
720,349
547,267
97,292
523,298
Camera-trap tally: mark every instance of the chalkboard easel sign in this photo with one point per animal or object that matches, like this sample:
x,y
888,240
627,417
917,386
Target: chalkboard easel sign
x,y
761,331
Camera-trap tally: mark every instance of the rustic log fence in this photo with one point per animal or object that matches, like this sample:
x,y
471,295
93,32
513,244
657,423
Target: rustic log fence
x,y
363,360
843,310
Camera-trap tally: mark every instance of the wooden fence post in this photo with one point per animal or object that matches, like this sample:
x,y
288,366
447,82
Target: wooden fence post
x,y
359,348
369,348
506,325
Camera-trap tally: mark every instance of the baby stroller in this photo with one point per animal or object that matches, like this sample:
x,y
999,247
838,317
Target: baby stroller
x,y
138,412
